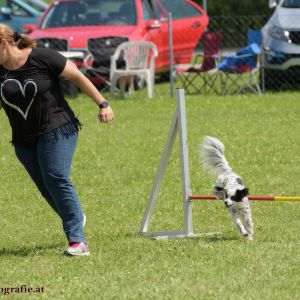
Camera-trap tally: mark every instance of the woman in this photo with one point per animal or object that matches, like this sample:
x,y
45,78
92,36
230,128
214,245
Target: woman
x,y
44,127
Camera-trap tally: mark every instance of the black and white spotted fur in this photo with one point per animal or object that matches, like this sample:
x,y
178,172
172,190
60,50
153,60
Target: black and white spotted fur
x,y
229,186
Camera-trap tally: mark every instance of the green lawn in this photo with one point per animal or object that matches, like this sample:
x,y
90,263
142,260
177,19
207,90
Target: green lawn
x,y
113,171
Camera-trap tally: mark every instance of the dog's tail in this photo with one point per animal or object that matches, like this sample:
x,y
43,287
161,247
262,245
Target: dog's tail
x,y
212,151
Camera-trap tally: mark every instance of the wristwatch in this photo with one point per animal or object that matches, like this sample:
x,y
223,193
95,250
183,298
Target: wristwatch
x,y
104,104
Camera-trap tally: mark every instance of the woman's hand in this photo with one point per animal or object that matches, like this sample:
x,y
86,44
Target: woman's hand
x,y
72,73
106,114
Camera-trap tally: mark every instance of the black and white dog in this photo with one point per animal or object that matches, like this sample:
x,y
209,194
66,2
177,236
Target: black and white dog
x,y
229,186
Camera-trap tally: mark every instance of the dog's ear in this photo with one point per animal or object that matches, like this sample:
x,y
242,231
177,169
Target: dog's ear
x,y
218,188
245,192
242,193
220,192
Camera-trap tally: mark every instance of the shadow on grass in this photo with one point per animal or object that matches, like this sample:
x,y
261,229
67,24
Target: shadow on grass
x,y
30,251
211,238
220,238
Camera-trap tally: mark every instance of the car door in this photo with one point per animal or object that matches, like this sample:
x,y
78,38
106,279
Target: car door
x,y
189,21
153,31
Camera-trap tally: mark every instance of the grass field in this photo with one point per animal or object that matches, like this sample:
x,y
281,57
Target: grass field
x,y
113,171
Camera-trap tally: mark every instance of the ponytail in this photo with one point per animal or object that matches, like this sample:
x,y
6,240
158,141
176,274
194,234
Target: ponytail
x,y
22,41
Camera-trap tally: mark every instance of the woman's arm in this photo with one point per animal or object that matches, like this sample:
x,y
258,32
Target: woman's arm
x,y
72,73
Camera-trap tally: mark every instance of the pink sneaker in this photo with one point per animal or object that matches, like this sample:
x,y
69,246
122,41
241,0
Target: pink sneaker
x,y
78,249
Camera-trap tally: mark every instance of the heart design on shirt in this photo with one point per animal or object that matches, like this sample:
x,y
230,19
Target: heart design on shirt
x,y
20,97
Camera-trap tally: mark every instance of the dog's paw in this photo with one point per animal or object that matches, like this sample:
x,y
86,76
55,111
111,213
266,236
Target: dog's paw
x,y
249,237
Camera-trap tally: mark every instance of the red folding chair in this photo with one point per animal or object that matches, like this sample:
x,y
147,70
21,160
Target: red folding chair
x,y
201,78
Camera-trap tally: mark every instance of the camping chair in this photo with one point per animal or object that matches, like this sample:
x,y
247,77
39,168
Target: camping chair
x,y
97,62
53,43
241,70
189,75
138,58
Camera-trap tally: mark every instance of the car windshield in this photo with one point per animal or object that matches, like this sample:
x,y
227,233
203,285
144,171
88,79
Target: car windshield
x,y
291,4
91,12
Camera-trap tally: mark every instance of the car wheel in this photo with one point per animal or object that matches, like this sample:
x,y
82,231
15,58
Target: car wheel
x,y
270,79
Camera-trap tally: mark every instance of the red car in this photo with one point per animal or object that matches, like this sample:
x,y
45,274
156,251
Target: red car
x,y
103,24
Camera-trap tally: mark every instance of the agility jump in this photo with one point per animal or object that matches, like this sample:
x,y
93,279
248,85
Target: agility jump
x,y
178,126
253,198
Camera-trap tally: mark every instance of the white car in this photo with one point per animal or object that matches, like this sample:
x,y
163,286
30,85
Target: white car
x,y
281,41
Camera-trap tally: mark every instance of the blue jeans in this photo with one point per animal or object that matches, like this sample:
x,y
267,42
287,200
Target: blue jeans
x,y
48,163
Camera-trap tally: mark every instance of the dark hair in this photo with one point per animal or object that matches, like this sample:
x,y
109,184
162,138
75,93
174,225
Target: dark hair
x,y
22,41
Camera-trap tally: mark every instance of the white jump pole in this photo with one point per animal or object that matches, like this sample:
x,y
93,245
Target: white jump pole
x,y
178,126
